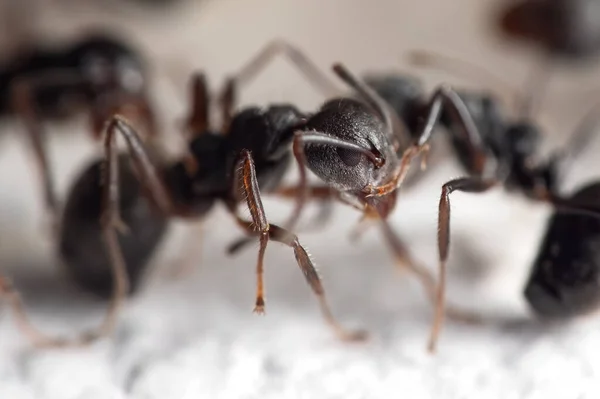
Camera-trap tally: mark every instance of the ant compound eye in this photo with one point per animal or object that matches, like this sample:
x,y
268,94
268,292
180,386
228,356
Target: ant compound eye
x,y
349,157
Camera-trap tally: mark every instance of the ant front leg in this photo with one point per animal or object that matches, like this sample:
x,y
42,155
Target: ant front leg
x,y
247,176
467,185
444,98
325,195
301,61
427,280
25,108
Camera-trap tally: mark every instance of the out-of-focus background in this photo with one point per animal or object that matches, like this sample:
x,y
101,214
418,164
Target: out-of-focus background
x,y
196,336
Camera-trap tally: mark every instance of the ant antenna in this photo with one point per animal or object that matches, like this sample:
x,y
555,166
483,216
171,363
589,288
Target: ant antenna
x,y
392,122
467,70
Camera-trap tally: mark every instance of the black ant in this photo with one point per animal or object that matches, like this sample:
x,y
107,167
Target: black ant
x,y
101,75
252,148
563,280
353,145
409,117
98,73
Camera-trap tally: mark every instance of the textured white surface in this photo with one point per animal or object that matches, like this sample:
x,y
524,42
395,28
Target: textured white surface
x,y
197,338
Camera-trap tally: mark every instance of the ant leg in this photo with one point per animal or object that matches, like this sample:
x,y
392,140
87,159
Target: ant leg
x,y
465,70
228,94
136,107
111,222
444,98
303,63
24,324
24,106
247,175
149,175
198,121
227,102
397,130
324,194
468,185
405,260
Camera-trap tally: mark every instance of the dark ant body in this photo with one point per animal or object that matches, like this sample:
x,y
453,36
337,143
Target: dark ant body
x,y
354,146
101,75
251,150
98,74
505,152
65,80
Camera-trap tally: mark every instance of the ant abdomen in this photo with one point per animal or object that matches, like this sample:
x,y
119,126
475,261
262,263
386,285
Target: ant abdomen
x,y
82,246
565,279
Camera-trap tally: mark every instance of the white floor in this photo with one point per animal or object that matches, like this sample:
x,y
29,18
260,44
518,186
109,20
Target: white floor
x,y
197,337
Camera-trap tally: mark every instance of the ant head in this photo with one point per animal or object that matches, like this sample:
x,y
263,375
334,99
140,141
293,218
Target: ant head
x,y
523,140
104,60
354,123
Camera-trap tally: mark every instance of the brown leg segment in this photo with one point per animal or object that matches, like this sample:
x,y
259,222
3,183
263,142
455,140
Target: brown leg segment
x,y
404,259
247,176
227,102
24,324
324,194
468,185
198,121
302,62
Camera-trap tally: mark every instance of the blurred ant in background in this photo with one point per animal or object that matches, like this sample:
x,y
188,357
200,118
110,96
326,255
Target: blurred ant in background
x,y
564,277
97,73
101,75
563,30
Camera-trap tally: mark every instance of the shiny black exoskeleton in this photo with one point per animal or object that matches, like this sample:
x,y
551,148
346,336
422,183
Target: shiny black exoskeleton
x,y
81,242
101,75
66,79
565,278
406,96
